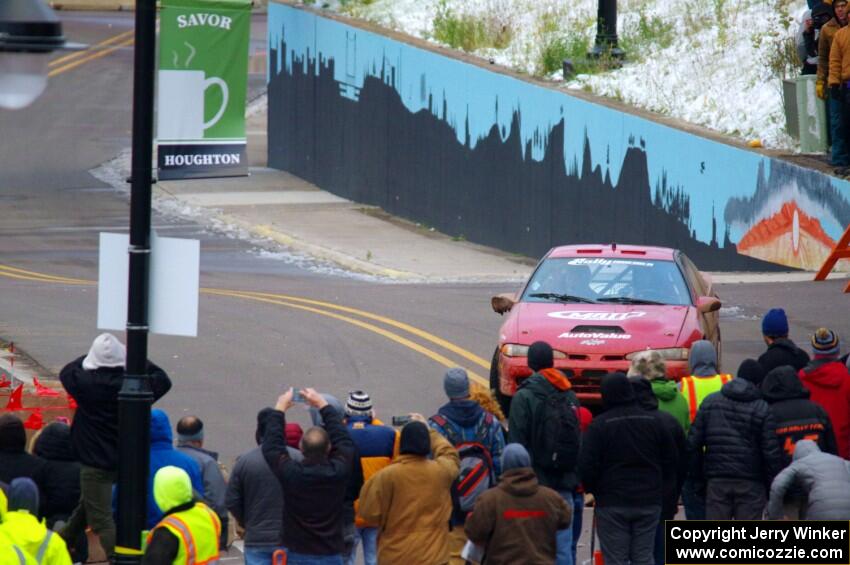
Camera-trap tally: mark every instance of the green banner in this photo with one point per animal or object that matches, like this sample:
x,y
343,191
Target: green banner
x,y
201,87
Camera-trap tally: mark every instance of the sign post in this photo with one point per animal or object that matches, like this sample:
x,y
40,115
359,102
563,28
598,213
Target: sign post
x,y
201,88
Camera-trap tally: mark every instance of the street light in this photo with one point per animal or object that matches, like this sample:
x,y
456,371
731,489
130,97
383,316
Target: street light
x,y
29,32
606,31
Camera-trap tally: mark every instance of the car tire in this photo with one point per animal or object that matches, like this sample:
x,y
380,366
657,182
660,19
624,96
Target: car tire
x,y
503,399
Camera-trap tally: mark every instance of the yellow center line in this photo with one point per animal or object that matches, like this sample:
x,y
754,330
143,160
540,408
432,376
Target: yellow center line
x,y
87,59
104,43
308,305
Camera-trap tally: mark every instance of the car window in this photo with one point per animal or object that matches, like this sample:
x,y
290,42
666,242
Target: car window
x,y
604,278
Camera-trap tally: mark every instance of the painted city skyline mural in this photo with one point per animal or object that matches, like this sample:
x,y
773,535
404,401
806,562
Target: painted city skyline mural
x,y
508,163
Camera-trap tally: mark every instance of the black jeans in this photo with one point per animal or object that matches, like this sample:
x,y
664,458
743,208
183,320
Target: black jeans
x,y
734,499
627,534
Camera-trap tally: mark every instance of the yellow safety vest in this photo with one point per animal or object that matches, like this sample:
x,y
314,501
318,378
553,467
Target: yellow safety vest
x,y
695,389
198,530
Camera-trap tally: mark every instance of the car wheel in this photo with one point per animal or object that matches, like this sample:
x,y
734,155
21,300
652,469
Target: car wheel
x,y
503,399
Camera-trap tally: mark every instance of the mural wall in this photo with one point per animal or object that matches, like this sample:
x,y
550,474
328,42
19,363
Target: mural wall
x,y
521,167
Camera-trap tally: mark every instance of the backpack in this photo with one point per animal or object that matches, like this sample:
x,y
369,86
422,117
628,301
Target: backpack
x,y
557,436
477,473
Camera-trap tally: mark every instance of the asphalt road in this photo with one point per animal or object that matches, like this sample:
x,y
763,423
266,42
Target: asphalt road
x,y
250,347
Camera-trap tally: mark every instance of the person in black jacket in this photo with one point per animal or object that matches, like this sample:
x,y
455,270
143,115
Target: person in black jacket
x,y
733,449
254,498
780,349
648,401
627,457
62,485
797,418
94,381
15,462
313,490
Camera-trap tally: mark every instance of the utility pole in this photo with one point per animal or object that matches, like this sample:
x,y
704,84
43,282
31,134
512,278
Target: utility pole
x,y
606,31
136,396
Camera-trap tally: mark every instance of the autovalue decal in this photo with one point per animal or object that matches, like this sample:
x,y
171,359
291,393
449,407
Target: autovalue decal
x,y
596,316
593,335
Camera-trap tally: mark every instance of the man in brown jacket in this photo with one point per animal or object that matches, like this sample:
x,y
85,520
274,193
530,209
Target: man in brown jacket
x,y
517,521
837,132
410,501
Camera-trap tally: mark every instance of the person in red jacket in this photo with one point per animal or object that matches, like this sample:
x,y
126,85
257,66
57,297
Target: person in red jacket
x,y
828,381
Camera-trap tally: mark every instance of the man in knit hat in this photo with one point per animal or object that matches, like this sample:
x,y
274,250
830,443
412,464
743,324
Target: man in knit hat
x,y
409,501
478,437
21,526
376,448
518,521
780,349
733,449
190,441
828,382
94,380
544,420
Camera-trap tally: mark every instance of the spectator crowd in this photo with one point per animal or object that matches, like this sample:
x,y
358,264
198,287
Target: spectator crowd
x,y
469,484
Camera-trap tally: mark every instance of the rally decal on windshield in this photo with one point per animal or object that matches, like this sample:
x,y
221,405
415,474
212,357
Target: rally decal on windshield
x,y
600,261
596,316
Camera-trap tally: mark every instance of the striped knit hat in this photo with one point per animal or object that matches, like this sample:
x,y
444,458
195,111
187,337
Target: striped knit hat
x,y
825,343
359,403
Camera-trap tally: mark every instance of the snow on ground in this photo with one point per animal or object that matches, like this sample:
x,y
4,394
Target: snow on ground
x,y
717,63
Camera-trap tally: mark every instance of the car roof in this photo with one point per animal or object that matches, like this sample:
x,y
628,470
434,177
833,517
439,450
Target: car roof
x,y
613,250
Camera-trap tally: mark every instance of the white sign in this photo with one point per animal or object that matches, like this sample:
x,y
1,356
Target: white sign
x,y
174,282
599,261
595,316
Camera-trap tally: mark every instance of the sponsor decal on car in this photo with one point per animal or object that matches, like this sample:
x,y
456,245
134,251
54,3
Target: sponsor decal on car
x,y
596,316
600,261
593,335
593,342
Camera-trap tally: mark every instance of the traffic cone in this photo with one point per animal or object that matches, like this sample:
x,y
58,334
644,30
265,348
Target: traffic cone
x,y
16,399
35,421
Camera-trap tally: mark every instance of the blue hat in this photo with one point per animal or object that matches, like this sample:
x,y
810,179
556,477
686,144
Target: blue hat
x,y
774,323
456,383
515,456
23,495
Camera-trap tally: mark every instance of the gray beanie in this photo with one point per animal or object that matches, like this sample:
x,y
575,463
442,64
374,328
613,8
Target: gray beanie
x,y
23,495
515,456
456,383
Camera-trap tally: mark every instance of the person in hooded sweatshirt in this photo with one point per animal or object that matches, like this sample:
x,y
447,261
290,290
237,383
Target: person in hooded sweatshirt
x,y
460,421
627,461
733,449
780,350
828,381
62,485
517,522
94,381
705,379
648,401
824,479
526,419
14,460
163,454
22,527
650,365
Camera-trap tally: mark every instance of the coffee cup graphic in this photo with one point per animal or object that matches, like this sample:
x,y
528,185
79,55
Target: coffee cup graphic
x,y
181,104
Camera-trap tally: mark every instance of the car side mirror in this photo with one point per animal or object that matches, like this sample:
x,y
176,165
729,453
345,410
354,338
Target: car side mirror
x,y
706,304
502,303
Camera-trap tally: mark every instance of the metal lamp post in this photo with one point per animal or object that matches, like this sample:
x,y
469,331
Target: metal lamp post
x,y
136,397
29,32
606,31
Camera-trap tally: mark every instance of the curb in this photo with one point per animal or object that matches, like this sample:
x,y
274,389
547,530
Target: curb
x,y
93,5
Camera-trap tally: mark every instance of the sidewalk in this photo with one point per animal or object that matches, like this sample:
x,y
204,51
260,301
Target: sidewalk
x,y
277,206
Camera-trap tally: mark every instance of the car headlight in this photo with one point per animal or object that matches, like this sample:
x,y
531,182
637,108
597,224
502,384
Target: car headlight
x,y
668,354
516,350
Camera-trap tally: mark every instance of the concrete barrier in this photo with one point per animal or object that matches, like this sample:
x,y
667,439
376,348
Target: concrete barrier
x,y
480,152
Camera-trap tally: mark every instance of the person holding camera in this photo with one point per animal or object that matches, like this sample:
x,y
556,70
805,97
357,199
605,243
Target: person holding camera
x,y
409,500
313,489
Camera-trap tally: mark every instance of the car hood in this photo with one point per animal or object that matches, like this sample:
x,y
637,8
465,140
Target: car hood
x,y
592,328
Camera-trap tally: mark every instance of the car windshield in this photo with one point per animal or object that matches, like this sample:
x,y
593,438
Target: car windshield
x,y
603,280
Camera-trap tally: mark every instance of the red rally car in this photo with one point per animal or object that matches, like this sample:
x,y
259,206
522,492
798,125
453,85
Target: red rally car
x,y
597,306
